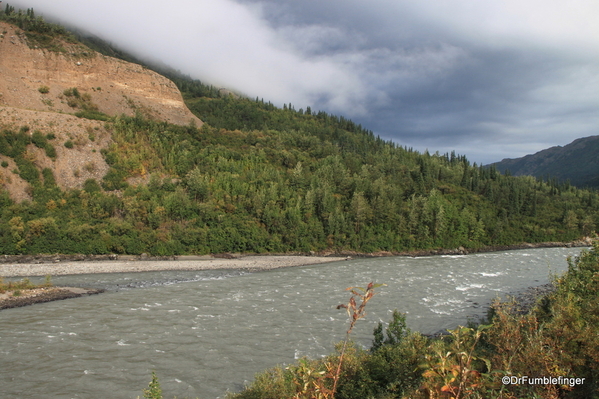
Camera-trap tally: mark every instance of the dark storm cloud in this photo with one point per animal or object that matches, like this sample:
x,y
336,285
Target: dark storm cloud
x,y
488,79
509,84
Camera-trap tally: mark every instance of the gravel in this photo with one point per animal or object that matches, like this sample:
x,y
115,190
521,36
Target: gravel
x,y
250,263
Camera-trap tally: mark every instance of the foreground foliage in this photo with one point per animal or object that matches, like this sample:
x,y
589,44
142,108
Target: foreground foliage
x,y
153,391
557,339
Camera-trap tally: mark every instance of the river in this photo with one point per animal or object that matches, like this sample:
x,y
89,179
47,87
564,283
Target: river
x,y
206,332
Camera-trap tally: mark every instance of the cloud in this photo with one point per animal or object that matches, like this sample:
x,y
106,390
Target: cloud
x,y
489,79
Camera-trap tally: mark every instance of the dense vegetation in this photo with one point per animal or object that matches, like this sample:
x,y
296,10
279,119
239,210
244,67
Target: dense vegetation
x,y
313,186
256,178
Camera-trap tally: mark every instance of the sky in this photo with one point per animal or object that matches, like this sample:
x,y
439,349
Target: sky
x,y
487,79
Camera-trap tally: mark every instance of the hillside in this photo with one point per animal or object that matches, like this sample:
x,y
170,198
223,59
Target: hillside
x,y
115,87
43,88
577,162
252,178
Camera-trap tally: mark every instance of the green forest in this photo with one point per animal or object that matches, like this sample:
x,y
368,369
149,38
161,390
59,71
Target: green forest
x,y
256,178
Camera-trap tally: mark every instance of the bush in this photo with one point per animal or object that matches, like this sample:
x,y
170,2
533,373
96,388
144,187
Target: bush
x,y
91,186
114,179
275,383
91,114
44,89
27,170
50,151
72,92
154,391
48,176
39,139
68,144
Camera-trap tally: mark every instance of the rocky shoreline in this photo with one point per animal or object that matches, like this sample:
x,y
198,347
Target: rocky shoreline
x,y
518,303
526,299
41,295
57,258
583,242
246,263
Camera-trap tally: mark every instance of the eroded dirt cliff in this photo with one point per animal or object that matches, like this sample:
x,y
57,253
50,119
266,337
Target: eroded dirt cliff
x,y
115,86
33,83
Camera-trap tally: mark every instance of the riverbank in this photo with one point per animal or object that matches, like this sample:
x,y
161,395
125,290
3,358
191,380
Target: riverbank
x,y
522,302
256,261
40,295
583,242
135,264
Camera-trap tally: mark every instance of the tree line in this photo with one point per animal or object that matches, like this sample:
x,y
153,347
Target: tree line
x,y
312,187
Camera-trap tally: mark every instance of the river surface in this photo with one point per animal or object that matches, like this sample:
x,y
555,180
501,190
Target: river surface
x,y
206,332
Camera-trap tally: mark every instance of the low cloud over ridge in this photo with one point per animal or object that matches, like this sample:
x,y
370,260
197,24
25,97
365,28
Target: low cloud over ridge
x,y
488,80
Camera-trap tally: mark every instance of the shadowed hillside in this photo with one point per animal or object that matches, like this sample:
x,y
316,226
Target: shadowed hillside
x,y
577,162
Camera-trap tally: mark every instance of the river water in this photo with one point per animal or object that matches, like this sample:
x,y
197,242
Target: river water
x,y
206,332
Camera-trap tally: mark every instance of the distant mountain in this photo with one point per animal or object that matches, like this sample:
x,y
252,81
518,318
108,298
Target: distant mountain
x,y
577,162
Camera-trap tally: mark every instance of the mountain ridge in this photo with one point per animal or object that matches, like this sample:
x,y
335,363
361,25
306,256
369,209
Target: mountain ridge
x,y
576,163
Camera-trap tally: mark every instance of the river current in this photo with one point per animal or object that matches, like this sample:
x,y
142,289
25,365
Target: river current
x,y
206,332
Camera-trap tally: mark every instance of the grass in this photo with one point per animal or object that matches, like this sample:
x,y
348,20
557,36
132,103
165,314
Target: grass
x,y
17,287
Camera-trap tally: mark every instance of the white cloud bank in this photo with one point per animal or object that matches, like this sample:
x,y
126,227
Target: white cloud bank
x,y
492,79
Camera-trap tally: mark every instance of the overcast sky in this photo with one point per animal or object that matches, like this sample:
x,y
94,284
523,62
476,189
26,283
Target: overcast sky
x,y
489,79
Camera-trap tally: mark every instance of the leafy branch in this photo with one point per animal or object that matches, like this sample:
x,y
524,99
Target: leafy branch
x,y
355,313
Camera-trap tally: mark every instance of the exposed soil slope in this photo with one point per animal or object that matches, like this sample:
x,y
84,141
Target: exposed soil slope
x,y
32,93
115,86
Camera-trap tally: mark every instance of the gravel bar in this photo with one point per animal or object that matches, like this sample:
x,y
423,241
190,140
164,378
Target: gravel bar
x,y
250,263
